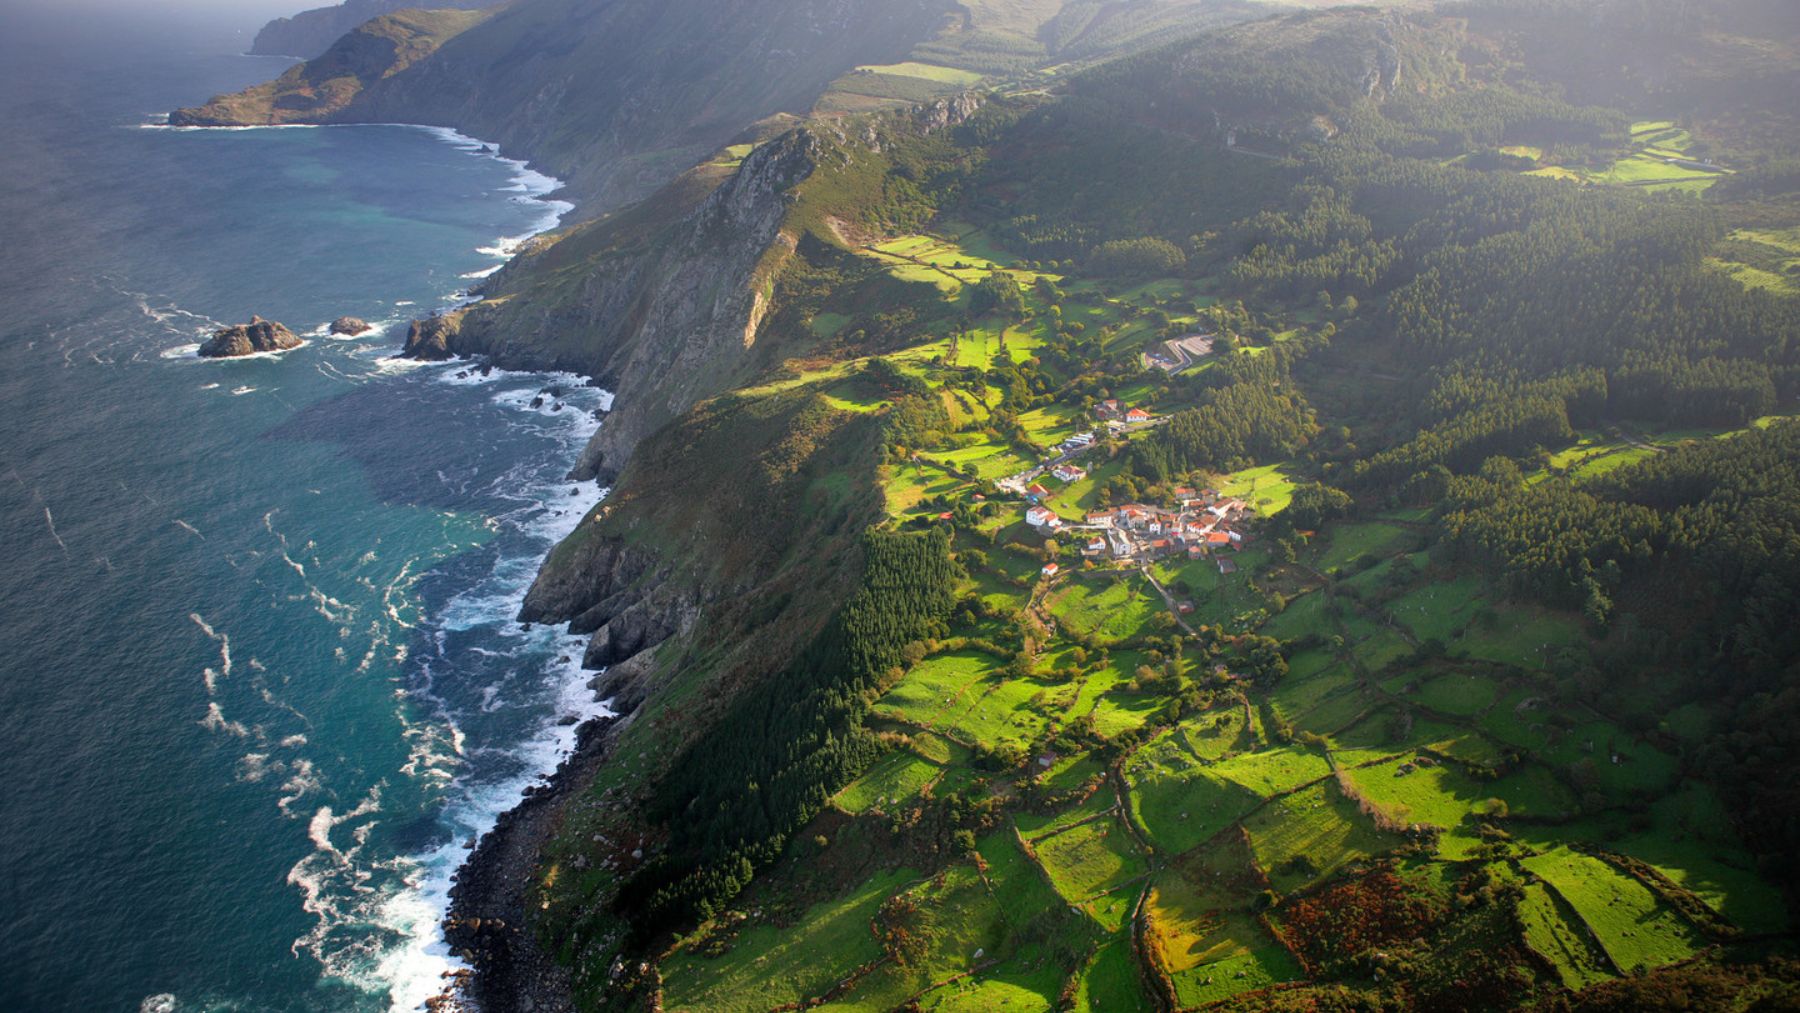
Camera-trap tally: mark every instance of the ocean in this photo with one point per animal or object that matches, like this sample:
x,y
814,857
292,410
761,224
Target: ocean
x,y
260,683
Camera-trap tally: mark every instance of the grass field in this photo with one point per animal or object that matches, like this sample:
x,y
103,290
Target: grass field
x,y
894,779
1560,937
1110,609
1207,942
1269,488
1634,927
767,966
1459,693
929,691
1273,771
927,71
1347,543
997,710
1519,635
1311,834
1534,791
1438,795
1109,981
1441,611
1089,860
1593,454
1178,811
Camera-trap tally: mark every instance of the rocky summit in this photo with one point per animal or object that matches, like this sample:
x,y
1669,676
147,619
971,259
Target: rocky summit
x,y
258,335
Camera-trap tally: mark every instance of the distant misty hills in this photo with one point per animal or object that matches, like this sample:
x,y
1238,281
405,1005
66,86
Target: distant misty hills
x,y
310,33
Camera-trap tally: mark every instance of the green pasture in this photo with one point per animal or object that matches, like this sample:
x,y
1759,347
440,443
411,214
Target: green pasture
x,y
1310,834
767,966
1273,771
1180,810
896,778
1633,925
1559,936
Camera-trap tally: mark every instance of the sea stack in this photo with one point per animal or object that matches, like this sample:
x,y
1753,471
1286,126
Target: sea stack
x,y
258,335
350,327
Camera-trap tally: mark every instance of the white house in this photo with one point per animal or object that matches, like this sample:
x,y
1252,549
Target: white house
x,y
1043,518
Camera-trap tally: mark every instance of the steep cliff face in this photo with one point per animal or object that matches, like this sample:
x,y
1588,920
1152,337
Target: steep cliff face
x,y
310,33
664,316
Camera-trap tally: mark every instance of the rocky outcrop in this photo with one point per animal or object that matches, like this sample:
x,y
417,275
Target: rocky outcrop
x,y
429,339
350,327
310,33
258,335
663,322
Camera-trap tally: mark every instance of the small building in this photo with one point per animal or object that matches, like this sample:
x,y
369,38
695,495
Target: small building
x,y
1101,519
1121,543
1037,491
1218,539
1081,439
1043,518
1050,570
1095,548
1227,565
1109,409
1196,550
1069,473
1137,415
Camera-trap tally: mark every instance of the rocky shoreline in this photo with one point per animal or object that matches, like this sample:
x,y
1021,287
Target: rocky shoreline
x,y
486,924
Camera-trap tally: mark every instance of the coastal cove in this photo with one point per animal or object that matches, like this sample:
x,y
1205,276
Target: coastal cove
x,y
263,684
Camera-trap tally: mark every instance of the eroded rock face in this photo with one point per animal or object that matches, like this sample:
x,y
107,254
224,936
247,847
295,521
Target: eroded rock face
x,y
429,339
350,326
258,335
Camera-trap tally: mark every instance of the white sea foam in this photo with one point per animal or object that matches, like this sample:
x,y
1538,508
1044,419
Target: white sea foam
x,y
415,969
377,919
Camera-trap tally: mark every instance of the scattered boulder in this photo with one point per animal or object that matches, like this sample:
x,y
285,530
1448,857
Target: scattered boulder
x,y
350,327
258,335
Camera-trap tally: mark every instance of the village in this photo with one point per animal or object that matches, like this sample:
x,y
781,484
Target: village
x,y
1201,524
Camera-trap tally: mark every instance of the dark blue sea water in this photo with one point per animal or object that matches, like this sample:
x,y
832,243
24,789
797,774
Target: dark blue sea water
x,y
258,679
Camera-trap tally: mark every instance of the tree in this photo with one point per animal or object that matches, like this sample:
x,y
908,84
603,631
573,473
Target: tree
x,y
997,293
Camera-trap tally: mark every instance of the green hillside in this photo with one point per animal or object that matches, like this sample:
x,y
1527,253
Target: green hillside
x,y
1220,527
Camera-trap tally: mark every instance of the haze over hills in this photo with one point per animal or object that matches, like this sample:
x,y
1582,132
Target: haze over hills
x,y
310,33
1154,506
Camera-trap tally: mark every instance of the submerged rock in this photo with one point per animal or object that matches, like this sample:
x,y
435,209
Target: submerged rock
x,y
258,335
350,326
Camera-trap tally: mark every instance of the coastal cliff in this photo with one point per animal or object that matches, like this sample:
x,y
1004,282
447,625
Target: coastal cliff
x,y
663,305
